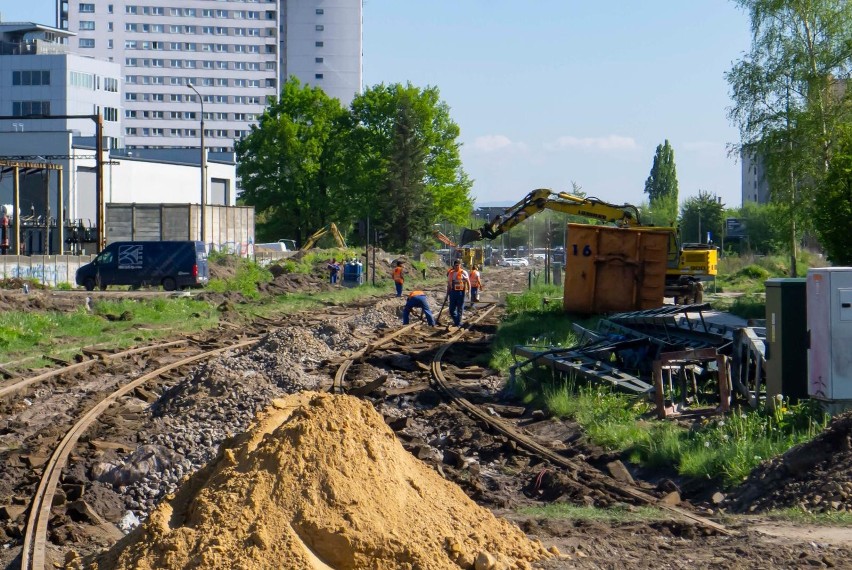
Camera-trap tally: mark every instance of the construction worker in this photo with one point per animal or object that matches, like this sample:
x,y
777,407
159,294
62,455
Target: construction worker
x,y
398,279
475,284
333,270
417,300
458,284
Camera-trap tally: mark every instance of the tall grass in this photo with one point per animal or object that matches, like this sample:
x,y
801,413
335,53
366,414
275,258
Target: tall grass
x,y
117,323
246,278
725,449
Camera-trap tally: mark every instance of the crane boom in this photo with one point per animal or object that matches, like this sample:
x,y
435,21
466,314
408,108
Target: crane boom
x,y
625,215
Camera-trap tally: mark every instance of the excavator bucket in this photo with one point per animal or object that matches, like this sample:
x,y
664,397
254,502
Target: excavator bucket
x,y
468,235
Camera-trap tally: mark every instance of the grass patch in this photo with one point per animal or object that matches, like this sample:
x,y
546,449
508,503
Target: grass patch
x,y
724,448
111,323
800,516
564,511
749,307
247,276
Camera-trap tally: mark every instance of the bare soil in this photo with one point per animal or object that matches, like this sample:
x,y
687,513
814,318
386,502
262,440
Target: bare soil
x,y
242,463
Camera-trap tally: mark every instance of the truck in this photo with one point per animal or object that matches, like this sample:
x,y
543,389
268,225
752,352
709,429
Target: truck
x,y
170,264
688,265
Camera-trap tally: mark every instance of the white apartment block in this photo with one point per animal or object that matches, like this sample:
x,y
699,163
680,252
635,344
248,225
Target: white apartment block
x,y
235,53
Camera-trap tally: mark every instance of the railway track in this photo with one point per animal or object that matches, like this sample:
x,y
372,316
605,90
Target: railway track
x,y
35,541
496,425
35,538
438,342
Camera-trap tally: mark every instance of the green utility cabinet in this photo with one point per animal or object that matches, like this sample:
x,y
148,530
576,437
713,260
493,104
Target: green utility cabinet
x,y
786,339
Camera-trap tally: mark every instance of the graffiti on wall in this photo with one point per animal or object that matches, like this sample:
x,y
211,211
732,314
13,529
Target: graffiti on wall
x,y
50,272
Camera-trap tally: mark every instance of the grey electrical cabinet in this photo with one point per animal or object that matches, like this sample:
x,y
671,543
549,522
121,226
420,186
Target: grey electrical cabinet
x,y
829,292
786,339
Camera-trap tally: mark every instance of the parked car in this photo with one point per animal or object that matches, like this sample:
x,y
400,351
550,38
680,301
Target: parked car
x,y
514,262
172,264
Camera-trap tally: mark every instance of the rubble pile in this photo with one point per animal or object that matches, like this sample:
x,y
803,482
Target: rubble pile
x,y
319,482
814,476
220,399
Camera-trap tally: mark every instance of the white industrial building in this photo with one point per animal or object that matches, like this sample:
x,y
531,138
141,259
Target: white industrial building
x,y
38,77
236,54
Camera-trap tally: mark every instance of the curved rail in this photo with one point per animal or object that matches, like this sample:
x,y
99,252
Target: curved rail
x,y
26,382
337,386
33,555
539,450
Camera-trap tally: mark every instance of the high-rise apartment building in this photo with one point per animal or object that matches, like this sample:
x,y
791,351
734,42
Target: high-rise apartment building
x,y
235,53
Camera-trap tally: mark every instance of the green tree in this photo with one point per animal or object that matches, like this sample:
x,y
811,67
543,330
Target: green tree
x,y
285,160
833,205
661,187
700,215
763,226
662,181
404,169
786,101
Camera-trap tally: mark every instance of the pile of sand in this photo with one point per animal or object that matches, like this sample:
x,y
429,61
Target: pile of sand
x,y
321,482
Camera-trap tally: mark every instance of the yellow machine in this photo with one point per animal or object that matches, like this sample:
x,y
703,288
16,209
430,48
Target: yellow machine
x,y
686,267
471,256
315,237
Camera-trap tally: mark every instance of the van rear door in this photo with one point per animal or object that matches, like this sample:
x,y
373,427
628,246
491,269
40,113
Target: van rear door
x,y
201,263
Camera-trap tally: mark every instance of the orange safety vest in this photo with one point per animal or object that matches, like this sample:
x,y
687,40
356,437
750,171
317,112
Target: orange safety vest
x,y
455,279
475,282
397,275
415,293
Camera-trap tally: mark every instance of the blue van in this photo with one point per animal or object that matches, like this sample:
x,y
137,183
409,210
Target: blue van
x,y
172,264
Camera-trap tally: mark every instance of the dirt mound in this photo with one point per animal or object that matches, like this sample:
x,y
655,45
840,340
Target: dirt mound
x,y
321,482
294,282
815,476
223,266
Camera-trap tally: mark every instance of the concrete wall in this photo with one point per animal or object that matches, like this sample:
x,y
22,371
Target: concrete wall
x,y
229,229
49,270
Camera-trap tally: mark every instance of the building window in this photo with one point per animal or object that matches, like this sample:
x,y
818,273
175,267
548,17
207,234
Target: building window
x,y
319,27
318,44
87,42
87,25
25,108
320,11
109,26
318,60
110,114
28,77
109,8
87,8
317,75
111,84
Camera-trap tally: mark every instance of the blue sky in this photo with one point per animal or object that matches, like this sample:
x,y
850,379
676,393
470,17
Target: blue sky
x,y
550,92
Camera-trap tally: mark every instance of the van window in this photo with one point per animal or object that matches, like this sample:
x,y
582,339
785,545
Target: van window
x,y
105,258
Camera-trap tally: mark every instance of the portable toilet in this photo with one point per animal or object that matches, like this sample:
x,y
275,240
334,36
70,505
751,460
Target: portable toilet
x,y
353,272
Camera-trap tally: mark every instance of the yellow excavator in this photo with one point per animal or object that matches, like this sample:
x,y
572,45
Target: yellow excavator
x,y
315,237
687,266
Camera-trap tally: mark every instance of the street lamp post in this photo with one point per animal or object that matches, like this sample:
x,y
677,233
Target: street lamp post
x,y
203,168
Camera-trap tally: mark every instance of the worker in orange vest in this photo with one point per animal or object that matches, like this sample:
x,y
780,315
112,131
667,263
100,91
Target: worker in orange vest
x,y
398,279
475,284
458,284
417,300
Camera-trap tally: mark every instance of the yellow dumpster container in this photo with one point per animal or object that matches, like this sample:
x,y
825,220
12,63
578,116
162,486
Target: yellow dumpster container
x,y
609,269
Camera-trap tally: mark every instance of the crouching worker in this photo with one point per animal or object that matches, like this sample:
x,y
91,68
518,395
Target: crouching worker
x,y
417,300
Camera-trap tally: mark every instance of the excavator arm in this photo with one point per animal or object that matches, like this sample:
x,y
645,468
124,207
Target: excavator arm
x,y
441,237
315,237
625,215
